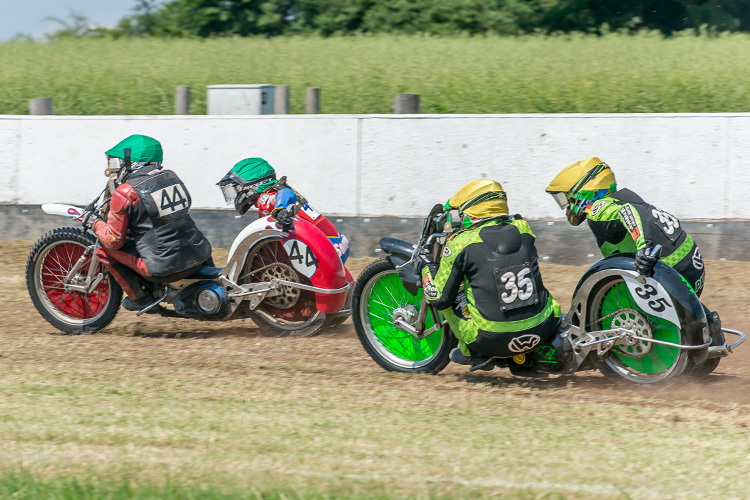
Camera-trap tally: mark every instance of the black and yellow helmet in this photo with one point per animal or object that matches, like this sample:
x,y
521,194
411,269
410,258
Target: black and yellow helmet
x,y
579,185
480,199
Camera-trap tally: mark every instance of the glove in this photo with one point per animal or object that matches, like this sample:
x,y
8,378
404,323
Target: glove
x,y
421,260
285,218
645,262
89,218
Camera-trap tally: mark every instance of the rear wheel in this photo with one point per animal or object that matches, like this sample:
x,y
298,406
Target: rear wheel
x,y
49,263
291,313
378,293
642,362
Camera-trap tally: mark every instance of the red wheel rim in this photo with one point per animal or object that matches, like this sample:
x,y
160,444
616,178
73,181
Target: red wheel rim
x,y
305,308
57,263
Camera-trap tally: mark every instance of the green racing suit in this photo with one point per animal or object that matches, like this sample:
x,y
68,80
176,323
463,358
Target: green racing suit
x,y
508,310
624,223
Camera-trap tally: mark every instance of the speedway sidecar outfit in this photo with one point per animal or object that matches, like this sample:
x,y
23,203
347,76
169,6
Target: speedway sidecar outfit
x,y
252,182
623,222
148,229
510,312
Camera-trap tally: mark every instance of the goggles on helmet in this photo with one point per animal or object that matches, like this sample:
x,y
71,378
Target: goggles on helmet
x,y
561,199
232,185
114,164
230,192
575,202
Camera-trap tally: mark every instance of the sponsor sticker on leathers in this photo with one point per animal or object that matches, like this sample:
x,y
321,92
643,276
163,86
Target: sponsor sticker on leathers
x,y
524,343
697,259
597,206
628,217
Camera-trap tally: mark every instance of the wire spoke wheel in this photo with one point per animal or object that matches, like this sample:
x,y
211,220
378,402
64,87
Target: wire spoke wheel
x,y
50,263
291,313
639,361
378,296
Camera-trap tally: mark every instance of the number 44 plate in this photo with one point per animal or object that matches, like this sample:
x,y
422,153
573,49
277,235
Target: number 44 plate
x,y
651,297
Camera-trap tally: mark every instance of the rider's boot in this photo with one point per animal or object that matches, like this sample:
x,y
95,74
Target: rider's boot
x,y
476,362
714,328
139,304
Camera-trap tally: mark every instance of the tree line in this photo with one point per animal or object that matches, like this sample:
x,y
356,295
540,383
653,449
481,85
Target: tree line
x,y
211,18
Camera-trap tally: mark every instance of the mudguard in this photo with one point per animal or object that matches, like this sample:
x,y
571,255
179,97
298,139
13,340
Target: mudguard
x,y
310,252
398,253
70,211
688,313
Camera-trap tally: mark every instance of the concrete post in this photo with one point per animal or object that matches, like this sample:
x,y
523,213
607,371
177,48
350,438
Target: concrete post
x,y
281,100
41,106
312,100
182,100
406,104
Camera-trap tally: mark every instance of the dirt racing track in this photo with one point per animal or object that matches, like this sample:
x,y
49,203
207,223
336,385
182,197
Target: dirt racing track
x,y
159,364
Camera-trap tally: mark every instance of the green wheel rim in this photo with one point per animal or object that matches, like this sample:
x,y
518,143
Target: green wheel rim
x,y
660,357
386,294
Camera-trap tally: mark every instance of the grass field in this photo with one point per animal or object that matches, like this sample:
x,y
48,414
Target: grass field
x,y
163,408
567,74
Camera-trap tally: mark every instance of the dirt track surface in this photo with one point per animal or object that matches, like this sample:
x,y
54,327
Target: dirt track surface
x,y
138,342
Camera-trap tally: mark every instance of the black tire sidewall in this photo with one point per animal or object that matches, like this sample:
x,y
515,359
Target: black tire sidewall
x,y
75,235
441,358
307,331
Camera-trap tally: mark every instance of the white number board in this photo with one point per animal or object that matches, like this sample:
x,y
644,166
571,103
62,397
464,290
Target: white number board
x,y
302,257
652,299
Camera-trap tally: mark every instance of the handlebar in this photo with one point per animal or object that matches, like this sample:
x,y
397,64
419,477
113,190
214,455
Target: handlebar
x,y
95,207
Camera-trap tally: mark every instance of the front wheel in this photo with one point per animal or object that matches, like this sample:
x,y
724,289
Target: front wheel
x,y
49,263
612,306
377,294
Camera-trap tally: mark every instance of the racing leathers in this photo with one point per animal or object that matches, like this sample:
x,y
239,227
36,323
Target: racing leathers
x,y
623,222
510,311
150,231
275,199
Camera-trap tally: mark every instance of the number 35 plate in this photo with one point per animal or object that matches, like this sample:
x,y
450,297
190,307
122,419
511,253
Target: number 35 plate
x,y
651,297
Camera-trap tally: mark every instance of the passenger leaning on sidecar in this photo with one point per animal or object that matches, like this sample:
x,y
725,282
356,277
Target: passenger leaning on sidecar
x,y
508,310
252,182
622,222
148,231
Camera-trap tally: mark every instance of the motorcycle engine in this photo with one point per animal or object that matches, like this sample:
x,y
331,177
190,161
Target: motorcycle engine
x,y
202,299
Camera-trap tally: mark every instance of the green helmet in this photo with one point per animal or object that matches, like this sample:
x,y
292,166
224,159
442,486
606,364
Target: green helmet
x,y
142,149
246,181
254,172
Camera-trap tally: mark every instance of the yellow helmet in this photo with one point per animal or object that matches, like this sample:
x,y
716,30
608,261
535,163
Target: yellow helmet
x,y
578,185
480,199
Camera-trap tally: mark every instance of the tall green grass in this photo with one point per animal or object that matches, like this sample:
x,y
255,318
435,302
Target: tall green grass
x,y
564,74
27,487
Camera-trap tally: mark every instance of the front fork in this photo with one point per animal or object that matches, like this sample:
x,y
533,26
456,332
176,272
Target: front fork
x,y
76,283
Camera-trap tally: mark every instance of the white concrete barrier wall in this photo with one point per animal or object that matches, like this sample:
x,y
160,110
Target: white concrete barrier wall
x,y
696,166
